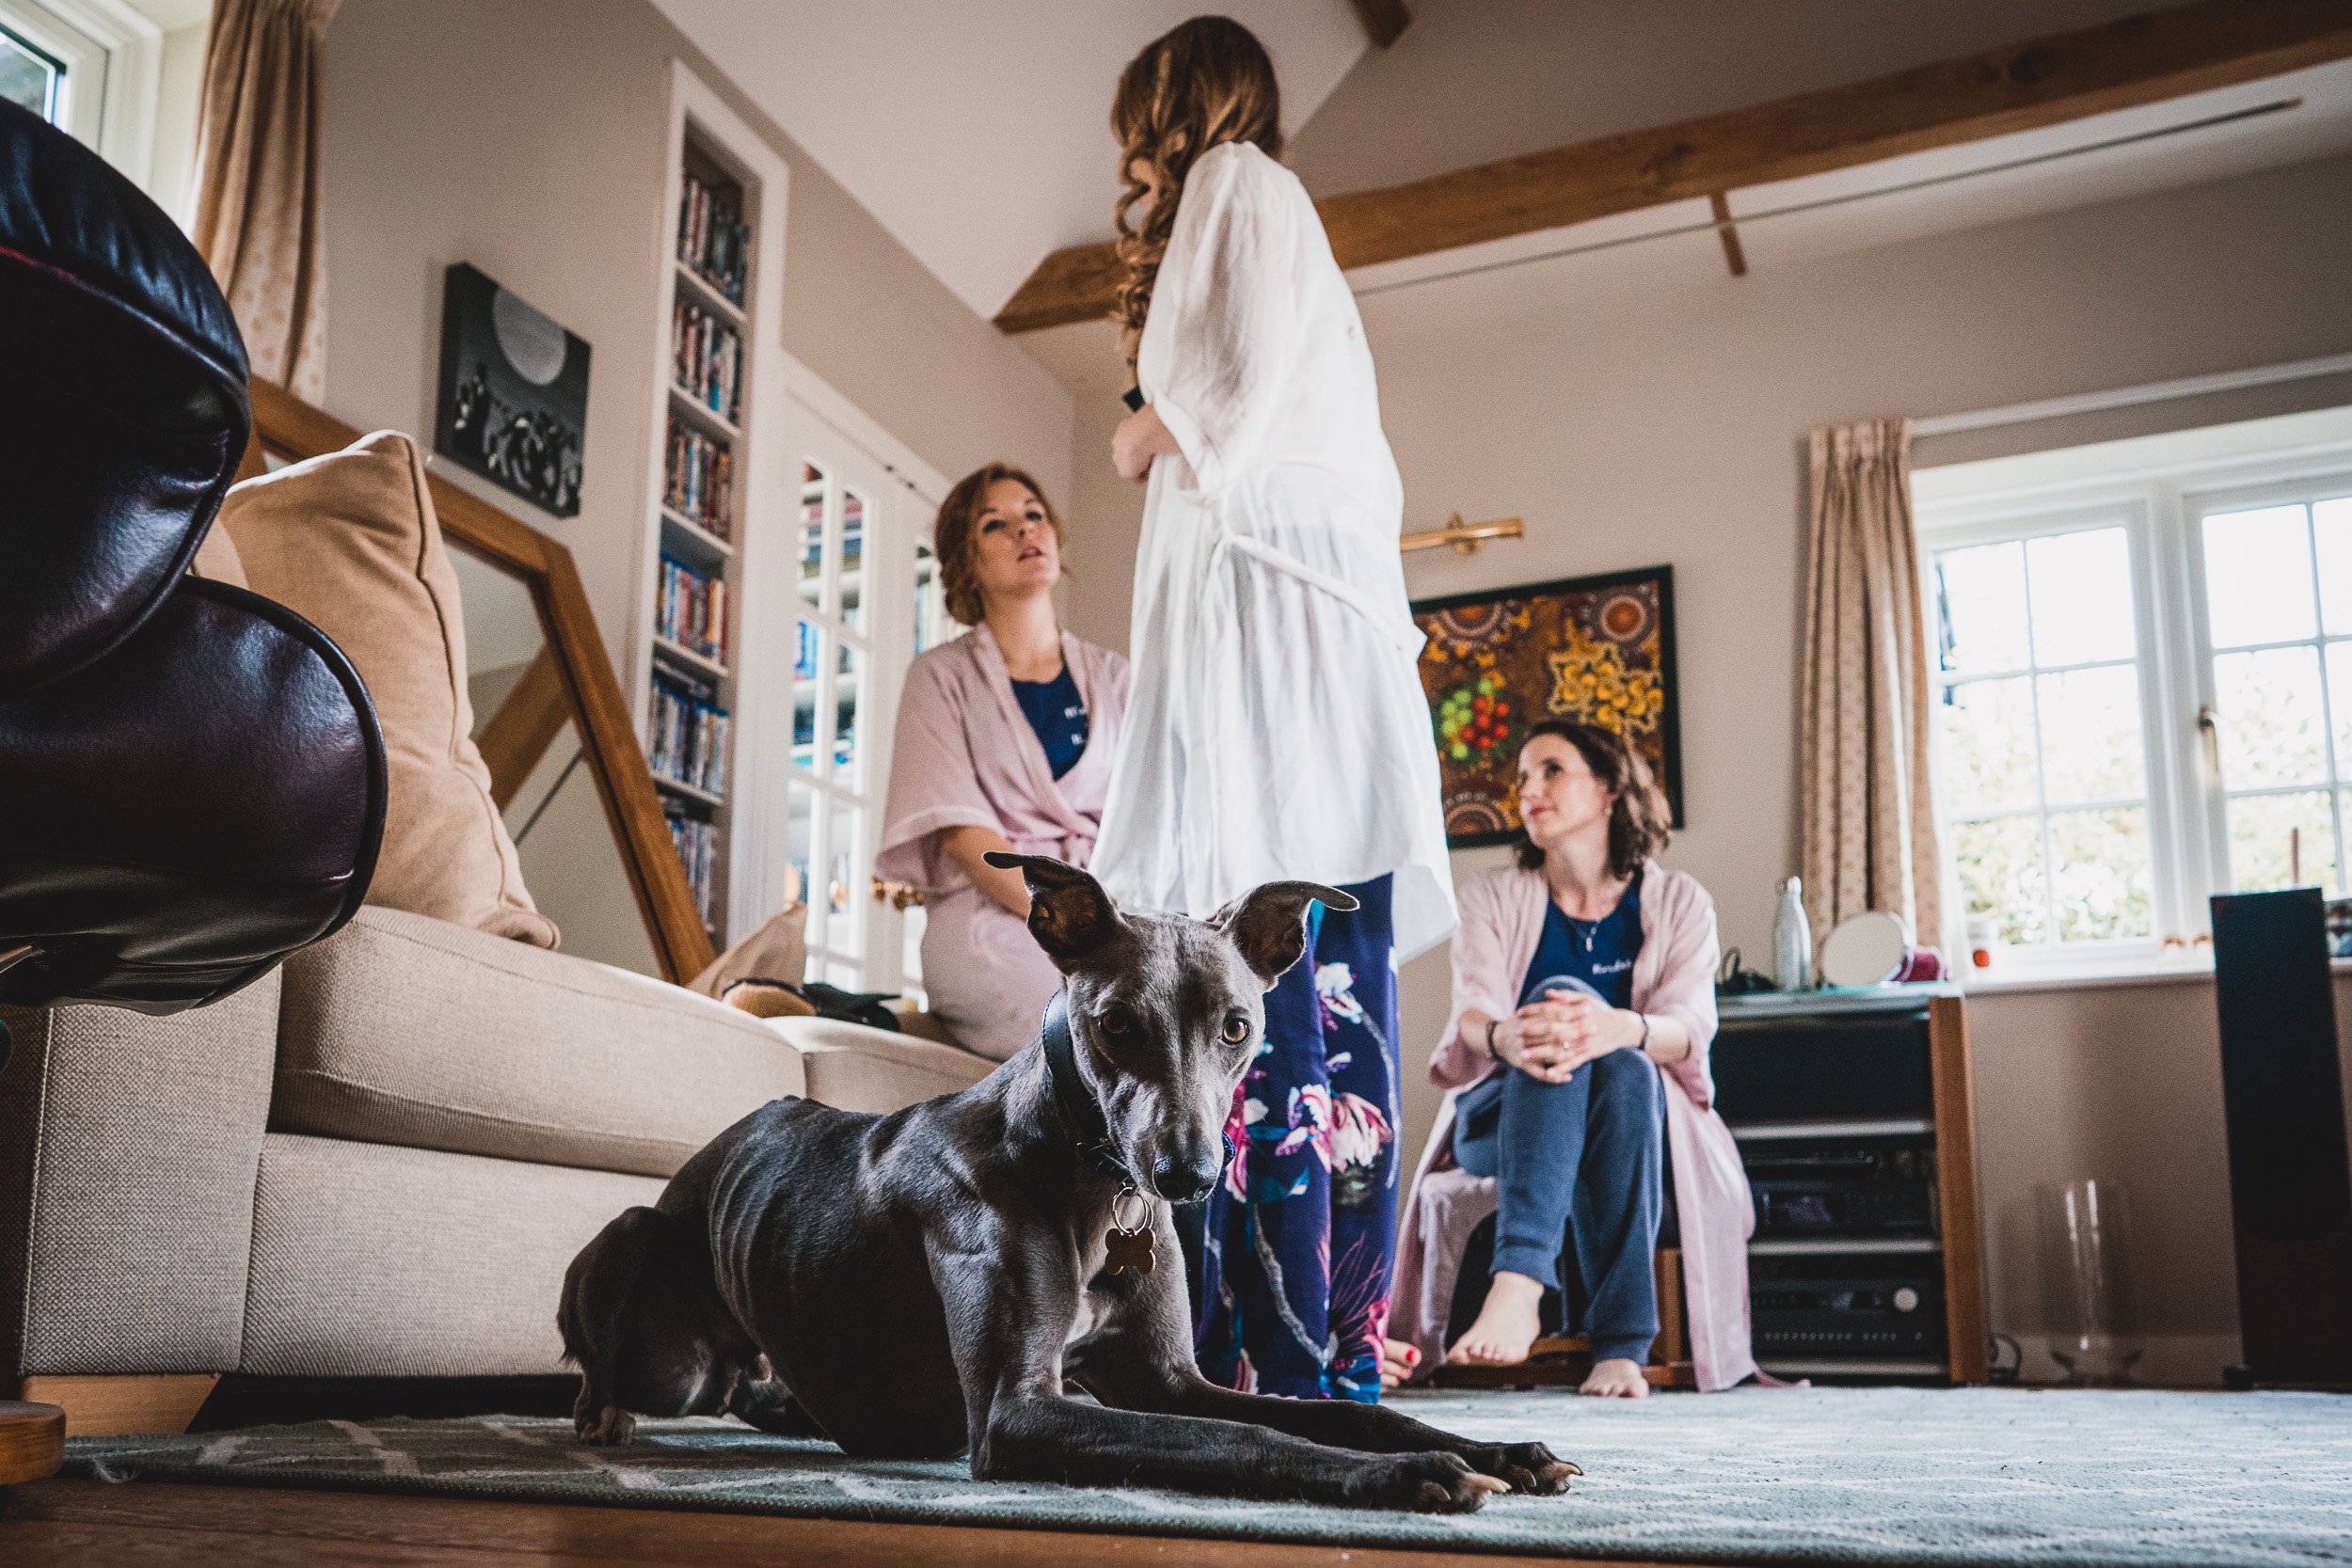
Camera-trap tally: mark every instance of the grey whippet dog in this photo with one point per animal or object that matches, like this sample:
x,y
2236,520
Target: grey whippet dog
x,y
918,1284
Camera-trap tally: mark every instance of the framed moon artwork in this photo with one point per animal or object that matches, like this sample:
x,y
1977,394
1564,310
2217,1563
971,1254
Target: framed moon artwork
x,y
514,392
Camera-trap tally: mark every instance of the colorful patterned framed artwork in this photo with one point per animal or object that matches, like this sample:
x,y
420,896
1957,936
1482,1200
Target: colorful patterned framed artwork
x,y
1600,649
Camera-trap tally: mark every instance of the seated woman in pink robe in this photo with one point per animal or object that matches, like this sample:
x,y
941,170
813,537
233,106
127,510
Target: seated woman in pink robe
x,y
1005,741
1595,1077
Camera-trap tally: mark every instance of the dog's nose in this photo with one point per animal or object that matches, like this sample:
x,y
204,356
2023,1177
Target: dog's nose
x,y
1188,1179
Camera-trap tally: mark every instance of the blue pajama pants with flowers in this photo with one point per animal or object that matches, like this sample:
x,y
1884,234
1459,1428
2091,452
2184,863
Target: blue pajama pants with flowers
x,y
1301,1234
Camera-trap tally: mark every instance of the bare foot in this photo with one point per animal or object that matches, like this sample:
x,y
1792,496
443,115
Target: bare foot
x,y
1506,1326
1399,1361
1616,1378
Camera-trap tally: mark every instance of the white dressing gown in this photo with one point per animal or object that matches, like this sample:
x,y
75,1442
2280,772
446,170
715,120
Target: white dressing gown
x,y
1277,727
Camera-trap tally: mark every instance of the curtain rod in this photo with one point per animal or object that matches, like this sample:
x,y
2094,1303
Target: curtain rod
x,y
2126,397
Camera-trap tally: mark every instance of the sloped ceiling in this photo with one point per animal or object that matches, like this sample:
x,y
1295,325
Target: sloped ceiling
x,y
977,131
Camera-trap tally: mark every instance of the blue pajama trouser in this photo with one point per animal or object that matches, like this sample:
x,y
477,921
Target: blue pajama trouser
x,y
1589,1149
1301,1234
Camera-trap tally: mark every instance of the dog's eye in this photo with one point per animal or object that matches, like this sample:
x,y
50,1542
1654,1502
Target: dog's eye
x,y
1116,1020
1236,1029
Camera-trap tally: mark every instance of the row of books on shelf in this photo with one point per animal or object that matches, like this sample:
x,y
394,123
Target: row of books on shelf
x,y
698,848
690,733
707,360
713,239
697,473
691,610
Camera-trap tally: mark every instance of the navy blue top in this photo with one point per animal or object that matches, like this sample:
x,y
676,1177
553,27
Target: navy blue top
x,y
1058,714
1599,952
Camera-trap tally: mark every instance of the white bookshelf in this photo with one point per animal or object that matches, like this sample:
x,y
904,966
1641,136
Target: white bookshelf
x,y
714,486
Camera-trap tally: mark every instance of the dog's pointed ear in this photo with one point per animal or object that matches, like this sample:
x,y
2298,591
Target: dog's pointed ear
x,y
1269,923
1070,914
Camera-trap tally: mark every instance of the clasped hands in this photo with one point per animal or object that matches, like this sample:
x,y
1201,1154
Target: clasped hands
x,y
1550,1039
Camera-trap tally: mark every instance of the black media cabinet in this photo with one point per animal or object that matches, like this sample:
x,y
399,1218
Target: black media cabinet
x,y
1854,1118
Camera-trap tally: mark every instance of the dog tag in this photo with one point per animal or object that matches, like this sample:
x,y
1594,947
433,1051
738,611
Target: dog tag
x,y
1128,1249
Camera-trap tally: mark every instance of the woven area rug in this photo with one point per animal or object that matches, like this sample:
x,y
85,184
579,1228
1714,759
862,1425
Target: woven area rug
x,y
1862,1476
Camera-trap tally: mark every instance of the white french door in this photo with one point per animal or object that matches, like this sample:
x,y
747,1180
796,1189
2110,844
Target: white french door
x,y
848,602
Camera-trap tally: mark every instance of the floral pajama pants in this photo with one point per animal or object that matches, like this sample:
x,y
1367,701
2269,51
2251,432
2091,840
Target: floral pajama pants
x,y
1302,1232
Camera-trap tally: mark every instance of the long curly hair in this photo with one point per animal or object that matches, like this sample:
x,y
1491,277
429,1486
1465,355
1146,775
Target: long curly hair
x,y
1198,85
1640,823
956,535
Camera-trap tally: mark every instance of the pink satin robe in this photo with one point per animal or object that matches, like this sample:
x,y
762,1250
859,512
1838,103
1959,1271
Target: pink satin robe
x,y
1674,976
964,755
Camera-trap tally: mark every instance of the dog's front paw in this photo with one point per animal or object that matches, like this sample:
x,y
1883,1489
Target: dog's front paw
x,y
609,1425
1430,1483
1529,1467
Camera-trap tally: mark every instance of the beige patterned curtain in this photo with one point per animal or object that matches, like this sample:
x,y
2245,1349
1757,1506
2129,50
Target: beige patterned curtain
x,y
1869,823
257,215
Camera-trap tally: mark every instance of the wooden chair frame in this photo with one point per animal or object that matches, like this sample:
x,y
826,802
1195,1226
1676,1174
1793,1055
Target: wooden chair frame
x,y
572,678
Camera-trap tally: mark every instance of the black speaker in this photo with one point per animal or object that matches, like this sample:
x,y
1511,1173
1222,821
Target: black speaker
x,y
2282,1099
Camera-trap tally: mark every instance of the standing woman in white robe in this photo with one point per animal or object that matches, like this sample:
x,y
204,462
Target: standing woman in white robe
x,y
1005,741
1278,728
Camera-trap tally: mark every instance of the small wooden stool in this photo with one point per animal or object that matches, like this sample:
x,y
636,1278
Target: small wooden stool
x,y
32,1441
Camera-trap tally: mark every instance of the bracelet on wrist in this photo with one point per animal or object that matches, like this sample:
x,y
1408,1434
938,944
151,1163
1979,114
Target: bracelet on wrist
x,y
1491,1053
1643,1047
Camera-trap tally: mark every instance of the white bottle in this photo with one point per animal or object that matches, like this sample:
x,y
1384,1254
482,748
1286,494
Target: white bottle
x,y
1792,940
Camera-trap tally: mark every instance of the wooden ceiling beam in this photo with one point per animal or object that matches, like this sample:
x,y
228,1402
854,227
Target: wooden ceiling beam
x,y
2025,86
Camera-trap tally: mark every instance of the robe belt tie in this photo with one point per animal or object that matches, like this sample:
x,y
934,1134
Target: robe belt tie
x,y
1406,635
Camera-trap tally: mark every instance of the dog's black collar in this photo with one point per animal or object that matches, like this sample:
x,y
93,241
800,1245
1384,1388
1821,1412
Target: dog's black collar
x,y
1072,1095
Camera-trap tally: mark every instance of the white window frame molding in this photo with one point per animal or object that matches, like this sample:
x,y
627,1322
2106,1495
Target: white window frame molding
x,y
108,43
2159,488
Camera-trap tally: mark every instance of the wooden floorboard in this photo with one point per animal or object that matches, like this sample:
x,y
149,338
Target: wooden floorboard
x,y
54,1523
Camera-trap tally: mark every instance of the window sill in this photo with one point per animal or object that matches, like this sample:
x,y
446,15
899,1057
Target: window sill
x,y
2103,978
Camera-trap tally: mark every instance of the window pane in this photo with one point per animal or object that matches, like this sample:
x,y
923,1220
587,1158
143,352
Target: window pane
x,y
2261,839
853,558
2258,576
2099,872
2331,530
2340,703
915,923
928,609
2001,873
849,730
1980,600
845,890
1987,745
798,829
2271,731
812,535
28,77
2082,597
807,665
2090,747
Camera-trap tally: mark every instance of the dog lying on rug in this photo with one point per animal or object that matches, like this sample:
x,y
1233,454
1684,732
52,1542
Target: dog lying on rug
x,y
920,1284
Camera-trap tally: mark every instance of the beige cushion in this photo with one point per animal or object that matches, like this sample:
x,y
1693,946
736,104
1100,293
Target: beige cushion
x,y
216,559
852,1067
369,1261
349,541
404,1030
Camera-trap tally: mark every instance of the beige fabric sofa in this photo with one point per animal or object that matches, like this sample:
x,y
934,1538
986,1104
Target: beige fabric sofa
x,y
377,1162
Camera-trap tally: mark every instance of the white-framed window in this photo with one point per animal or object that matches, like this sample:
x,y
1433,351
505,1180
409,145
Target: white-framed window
x,y
2139,653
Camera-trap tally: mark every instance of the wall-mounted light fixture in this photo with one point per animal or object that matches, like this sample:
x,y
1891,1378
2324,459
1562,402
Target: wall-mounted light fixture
x,y
1466,538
